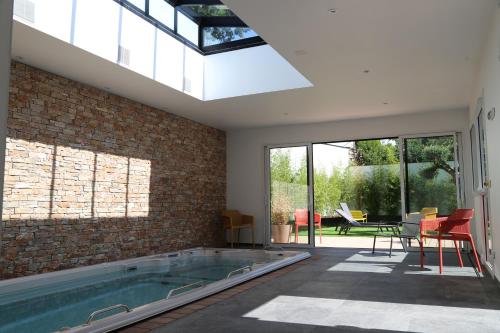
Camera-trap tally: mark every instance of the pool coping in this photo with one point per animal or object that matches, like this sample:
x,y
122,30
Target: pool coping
x,y
167,317
141,313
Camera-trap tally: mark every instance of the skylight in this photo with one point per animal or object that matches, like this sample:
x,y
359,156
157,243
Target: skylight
x,y
208,26
183,45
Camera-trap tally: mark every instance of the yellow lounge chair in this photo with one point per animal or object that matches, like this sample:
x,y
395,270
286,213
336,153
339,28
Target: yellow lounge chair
x,y
359,216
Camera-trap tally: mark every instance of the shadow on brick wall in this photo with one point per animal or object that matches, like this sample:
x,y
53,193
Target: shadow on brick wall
x,y
93,177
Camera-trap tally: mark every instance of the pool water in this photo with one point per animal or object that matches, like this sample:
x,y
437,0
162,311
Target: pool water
x,y
68,303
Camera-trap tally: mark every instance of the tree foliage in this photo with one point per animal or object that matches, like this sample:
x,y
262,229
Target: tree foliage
x,y
437,151
372,180
281,167
226,34
219,34
374,152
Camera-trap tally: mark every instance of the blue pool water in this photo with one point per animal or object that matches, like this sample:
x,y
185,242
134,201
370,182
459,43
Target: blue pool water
x,y
69,303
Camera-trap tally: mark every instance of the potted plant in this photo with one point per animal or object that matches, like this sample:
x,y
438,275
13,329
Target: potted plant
x,y
280,220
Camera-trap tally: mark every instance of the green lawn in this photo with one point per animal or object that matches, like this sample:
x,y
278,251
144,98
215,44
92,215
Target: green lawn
x,y
354,232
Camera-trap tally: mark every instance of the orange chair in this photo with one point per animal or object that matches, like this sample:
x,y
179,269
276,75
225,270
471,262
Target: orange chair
x,y
302,219
455,227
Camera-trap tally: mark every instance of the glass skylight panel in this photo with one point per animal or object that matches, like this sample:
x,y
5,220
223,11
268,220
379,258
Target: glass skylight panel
x,y
163,12
145,37
187,28
220,35
141,4
208,10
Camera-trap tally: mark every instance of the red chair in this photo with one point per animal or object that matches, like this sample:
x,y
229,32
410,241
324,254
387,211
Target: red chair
x,y
302,219
455,227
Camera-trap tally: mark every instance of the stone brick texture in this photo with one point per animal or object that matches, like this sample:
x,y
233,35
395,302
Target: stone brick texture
x,y
94,177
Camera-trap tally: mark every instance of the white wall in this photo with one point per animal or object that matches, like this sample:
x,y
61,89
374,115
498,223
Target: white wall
x,y
249,71
246,150
488,86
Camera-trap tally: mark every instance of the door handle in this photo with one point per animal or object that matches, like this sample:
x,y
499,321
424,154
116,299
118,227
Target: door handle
x,y
487,184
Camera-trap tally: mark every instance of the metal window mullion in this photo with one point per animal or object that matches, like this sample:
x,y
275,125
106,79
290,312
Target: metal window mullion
x,y
402,177
200,36
267,196
175,21
310,193
458,170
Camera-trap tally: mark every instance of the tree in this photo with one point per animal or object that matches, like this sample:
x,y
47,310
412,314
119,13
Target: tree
x,y
281,167
218,35
374,152
327,191
439,152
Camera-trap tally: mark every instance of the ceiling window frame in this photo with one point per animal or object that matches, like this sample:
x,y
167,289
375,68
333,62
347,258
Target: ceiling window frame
x,y
201,21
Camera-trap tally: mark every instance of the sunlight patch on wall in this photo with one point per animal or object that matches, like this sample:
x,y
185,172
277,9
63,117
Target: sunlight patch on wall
x,y
72,183
28,180
110,186
138,187
59,182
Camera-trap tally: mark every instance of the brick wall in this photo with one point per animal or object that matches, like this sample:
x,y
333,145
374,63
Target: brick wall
x,y
93,177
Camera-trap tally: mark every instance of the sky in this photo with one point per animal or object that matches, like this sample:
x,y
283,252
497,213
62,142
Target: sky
x,y
325,155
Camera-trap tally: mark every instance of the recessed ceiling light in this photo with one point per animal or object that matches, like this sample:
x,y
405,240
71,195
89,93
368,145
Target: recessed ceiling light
x,y
366,71
332,11
285,114
386,103
20,58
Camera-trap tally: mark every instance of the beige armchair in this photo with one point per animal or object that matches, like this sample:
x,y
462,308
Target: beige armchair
x,y
234,220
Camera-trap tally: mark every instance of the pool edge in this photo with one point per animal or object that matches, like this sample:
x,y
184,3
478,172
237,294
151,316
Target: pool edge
x,y
149,310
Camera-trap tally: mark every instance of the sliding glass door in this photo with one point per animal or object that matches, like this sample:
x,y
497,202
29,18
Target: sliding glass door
x,y
431,174
289,195
379,179
484,188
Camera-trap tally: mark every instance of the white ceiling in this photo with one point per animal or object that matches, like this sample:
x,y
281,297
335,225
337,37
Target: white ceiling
x,y
422,56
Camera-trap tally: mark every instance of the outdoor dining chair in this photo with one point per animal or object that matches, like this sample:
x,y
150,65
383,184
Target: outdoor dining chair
x,y
455,227
302,220
410,230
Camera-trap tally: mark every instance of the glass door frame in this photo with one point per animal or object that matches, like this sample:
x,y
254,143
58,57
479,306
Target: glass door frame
x,y
482,186
458,151
310,198
459,181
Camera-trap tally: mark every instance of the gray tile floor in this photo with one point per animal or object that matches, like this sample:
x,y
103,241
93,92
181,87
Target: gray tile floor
x,y
346,290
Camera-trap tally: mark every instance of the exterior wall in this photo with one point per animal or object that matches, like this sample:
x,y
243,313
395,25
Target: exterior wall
x,y
488,87
246,150
93,177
